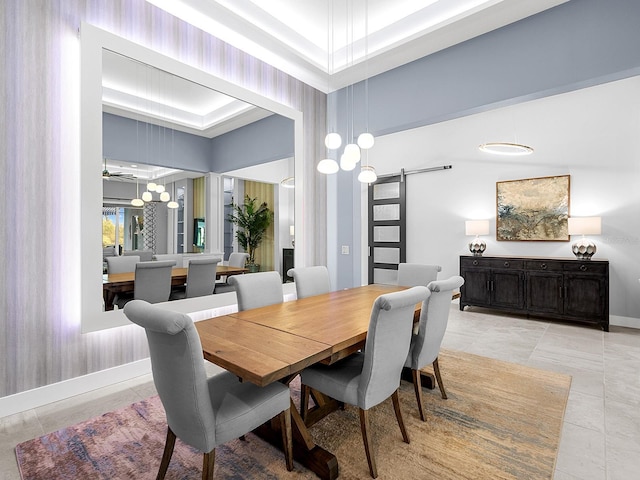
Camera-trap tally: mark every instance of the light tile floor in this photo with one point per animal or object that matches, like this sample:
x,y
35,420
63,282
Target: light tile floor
x,y
601,432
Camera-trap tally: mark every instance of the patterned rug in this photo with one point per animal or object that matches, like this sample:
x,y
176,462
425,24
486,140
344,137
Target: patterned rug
x,y
501,421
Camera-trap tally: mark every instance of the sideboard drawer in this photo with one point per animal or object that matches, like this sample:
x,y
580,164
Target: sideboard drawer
x,y
586,267
506,263
543,266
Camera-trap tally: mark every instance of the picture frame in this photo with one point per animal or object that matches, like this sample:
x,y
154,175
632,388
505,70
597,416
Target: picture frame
x,y
533,209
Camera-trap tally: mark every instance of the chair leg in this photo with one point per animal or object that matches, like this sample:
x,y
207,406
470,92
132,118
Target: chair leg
x,y
417,386
366,438
287,442
436,371
396,407
166,455
304,401
207,465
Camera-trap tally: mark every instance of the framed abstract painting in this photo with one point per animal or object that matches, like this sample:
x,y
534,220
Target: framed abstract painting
x,y
533,209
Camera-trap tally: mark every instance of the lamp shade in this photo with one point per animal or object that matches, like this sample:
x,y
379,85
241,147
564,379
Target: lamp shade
x,y
476,227
585,226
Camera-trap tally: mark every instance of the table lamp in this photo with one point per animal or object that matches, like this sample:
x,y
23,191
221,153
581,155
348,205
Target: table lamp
x,y
477,227
584,248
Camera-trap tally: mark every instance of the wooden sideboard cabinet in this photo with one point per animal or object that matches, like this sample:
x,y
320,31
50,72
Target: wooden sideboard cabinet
x,y
559,288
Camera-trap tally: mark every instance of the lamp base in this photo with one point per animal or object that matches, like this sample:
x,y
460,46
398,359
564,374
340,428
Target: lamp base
x,y
583,249
477,246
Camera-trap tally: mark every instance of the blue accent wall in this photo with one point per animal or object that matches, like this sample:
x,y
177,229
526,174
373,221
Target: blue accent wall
x,y
129,140
271,138
268,139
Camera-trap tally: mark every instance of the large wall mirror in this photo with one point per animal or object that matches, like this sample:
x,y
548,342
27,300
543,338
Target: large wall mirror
x,y
133,104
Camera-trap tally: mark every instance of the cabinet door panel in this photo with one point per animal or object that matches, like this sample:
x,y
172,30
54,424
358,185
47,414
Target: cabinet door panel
x,y
584,295
544,292
475,289
507,289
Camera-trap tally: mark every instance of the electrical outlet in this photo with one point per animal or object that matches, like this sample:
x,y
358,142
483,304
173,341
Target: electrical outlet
x,y
345,249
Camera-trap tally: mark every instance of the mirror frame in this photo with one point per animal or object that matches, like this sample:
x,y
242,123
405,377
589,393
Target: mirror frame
x,y
93,41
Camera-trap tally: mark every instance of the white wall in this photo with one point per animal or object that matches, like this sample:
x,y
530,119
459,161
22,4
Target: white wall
x,y
591,134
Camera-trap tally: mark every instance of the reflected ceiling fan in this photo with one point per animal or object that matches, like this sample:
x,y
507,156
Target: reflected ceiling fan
x,y
107,175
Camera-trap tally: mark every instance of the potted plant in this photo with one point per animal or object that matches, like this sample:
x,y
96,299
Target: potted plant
x,y
252,220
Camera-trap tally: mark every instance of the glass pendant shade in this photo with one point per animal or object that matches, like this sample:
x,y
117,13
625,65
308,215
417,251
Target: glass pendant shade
x,y
165,197
352,152
333,141
172,205
159,188
367,174
328,166
151,187
347,164
146,196
137,202
366,140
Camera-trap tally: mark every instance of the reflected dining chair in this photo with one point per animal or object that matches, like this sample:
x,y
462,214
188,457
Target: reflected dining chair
x,y
236,259
201,278
425,344
413,274
255,290
122,264
153,281
203,412
310,281
367,378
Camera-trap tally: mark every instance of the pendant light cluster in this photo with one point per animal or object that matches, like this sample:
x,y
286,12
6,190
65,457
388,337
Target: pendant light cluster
x,y
353,152
147,195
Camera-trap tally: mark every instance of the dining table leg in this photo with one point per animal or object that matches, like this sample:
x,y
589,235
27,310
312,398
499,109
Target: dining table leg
x,y
305,451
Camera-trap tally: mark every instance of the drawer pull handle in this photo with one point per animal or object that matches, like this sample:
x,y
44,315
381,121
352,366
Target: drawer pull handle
x,y
543,266
475,263
583,268
506,264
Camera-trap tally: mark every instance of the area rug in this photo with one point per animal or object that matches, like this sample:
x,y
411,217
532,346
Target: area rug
x,y
501,421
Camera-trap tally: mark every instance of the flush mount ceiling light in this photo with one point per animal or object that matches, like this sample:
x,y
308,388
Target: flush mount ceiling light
x,y
505,148
289,182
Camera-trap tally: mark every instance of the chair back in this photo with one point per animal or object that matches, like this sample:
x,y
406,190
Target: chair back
x,y
153,281
178,258
387,344
122,264
238,259
145,255
178,372
201,277
434,316
255,290
413,274
310,281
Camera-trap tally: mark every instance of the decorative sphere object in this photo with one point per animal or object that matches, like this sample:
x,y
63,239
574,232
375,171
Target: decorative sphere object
x,y
477,246
583,249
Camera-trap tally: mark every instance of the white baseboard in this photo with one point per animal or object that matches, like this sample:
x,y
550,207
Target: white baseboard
x,y
619,321
59,391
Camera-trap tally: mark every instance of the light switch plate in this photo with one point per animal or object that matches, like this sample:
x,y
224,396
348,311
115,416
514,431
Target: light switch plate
x,y
345,249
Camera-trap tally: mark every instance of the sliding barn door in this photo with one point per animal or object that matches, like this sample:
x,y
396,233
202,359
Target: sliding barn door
x,y
387,228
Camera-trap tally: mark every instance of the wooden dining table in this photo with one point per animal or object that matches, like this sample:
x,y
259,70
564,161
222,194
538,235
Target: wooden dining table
x,y
277,342
115,283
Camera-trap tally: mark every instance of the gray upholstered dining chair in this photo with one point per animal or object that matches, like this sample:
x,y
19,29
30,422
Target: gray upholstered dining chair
x,y
153,281
370,377
255,290
310,281
145,255
203,412
201,279
413,274
425,344
238,259
122,264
